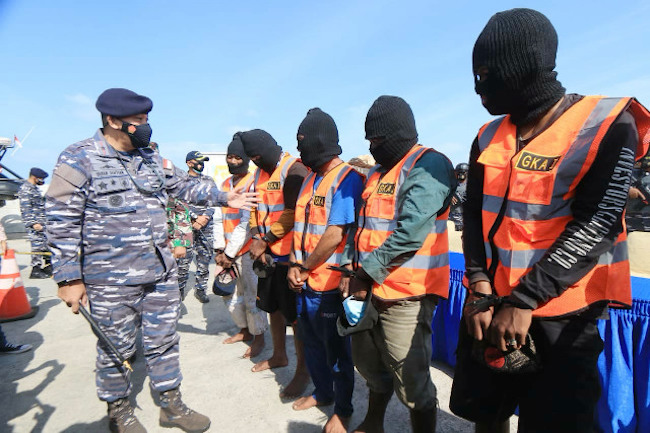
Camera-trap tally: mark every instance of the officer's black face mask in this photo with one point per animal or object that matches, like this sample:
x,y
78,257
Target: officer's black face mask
x,y
40,182
198,167
140,135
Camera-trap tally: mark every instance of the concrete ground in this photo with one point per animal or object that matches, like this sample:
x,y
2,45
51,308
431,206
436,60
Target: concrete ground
x,y
51,388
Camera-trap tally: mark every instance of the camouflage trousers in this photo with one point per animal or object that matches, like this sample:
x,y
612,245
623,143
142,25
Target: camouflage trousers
x,y
120,311
242,304
201,251
39,244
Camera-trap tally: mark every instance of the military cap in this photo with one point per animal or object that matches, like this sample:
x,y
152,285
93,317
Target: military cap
x,y
195,154
122,103
38,173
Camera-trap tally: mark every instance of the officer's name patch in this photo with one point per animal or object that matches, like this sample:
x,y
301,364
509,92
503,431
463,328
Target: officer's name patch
x,y
273,186
530,161
386,188
319,200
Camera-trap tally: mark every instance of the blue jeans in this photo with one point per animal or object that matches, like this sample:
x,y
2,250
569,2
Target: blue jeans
x,y
327,354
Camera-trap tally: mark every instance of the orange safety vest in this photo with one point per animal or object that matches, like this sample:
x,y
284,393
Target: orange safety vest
x,y
232,217
534,189
427,272
312,213
269,209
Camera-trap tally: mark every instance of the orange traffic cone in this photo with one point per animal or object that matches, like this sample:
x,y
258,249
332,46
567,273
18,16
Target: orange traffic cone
x,y
14,304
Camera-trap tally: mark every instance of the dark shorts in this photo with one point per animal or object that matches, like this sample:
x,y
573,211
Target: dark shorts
x,y
273,294
559,398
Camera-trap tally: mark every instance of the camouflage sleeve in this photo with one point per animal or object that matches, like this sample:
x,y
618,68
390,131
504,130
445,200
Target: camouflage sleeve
x,y
27,211
65,202
179,224
181,185
209,211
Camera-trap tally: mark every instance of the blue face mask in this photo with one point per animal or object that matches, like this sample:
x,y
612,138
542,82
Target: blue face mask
x,y
354,310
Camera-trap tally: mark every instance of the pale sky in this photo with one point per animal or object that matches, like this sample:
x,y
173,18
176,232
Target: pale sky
x,y
215,67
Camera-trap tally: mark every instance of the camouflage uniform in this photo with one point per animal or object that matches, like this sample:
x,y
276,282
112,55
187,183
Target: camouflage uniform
x,y
202,249
107,225
179,225
456,210
32,209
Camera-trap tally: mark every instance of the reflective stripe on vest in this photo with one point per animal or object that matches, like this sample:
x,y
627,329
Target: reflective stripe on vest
x,y
427,271
269,209
312,213
232,217
539,184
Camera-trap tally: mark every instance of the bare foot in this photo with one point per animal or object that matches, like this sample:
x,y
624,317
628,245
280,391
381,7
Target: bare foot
x,y
336,424
304,403
272,362
296,387
256,347
242,335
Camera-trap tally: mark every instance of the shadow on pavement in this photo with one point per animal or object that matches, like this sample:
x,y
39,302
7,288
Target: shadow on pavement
x,y
97,426
303,427
13,368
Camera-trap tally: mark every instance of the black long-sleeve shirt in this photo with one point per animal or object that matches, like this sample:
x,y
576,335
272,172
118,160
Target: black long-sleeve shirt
x,y
595,204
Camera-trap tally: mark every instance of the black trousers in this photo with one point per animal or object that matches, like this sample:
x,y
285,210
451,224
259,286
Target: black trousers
x,y
561,397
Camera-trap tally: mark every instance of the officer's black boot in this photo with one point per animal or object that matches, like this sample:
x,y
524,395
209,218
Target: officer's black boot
x,y
424,421
201,296
174,413
47,266
121,418
38,273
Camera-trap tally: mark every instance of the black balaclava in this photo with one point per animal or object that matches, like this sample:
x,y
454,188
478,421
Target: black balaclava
x,y
390,120
260,143
237,148
518,47
318,139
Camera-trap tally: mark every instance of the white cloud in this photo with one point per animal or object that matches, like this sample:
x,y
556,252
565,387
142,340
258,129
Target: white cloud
x,y
82,107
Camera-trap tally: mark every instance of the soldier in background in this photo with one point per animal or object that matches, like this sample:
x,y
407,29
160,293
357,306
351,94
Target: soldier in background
x,y
32,210
637,217
456,209
201,250
107,229
179,224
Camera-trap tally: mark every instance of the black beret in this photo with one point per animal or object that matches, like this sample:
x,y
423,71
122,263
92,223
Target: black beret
x,y
38,173
122,103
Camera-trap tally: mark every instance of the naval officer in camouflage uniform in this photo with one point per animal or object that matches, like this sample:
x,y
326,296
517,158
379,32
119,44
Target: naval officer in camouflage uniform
x,y
32,210
202,227
107,229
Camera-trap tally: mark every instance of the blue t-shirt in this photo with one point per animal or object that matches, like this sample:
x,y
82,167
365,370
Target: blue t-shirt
x,y
346,199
